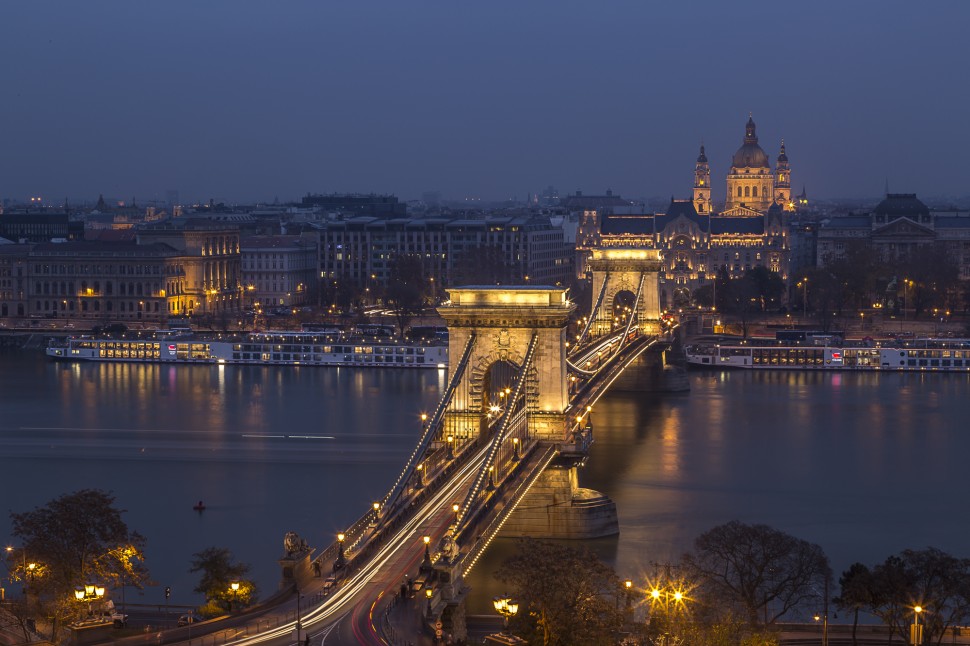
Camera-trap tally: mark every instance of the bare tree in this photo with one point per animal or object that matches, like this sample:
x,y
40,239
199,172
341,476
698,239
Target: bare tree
x,y
756,570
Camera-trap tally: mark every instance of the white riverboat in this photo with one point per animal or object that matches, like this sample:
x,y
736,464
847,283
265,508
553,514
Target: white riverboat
x,y
930,355
260,348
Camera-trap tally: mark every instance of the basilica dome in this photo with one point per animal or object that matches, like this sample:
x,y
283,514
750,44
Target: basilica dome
x,y
750,154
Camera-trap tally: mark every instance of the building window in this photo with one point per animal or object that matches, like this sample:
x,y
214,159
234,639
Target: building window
x,y
754,191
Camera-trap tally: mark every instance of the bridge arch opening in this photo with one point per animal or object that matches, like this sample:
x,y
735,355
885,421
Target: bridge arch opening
x,y
623,307
497,384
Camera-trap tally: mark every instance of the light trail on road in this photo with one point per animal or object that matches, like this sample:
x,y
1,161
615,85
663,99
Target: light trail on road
x,y
353,595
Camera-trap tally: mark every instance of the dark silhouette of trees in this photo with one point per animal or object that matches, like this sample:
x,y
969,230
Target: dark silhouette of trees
x,y
931,578
767,286
934,279
72,540
219,571
756,571
407,289
856,585
482,265
566,595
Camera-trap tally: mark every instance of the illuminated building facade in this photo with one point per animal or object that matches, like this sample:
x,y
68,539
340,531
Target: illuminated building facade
x,y
105,281
695,240
212,265
279,270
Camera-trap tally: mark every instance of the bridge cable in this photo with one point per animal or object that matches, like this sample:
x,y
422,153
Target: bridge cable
x,y
633,312
500,434
592,314
429,431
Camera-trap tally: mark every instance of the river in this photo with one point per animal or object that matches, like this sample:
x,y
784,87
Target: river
x,y
863,464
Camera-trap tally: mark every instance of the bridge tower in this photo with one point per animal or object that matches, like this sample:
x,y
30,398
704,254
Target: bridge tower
x,y
504,322
621,271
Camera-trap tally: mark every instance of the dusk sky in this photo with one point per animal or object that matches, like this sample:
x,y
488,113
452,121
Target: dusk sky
x,y
246,101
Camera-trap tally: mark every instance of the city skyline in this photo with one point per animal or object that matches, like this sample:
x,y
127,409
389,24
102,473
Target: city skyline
x,y
238,102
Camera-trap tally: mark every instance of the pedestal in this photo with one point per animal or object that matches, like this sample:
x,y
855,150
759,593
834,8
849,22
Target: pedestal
x,y
297,570
91,632
556,507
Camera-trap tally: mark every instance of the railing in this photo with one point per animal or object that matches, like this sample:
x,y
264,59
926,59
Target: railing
x,y
538,460
429,431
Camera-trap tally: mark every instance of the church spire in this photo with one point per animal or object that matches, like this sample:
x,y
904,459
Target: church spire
x,y
750,137
702,158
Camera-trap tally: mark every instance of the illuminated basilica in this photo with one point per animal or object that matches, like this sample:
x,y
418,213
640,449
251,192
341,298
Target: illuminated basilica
x,y
697,240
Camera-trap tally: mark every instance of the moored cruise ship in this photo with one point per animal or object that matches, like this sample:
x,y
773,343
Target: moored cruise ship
x,y
260,348
933,355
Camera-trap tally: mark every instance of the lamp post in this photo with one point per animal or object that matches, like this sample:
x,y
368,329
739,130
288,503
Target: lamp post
x,y
341,560
506,607
234,589
916,630
804,285
668,598
456,508
427,551
88,593
428,592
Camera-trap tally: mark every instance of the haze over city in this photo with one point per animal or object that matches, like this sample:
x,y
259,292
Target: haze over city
x,y
251,101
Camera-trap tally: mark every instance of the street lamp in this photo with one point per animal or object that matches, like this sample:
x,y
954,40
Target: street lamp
x,y
428,592
506,607
88,593
427,550
804,286
916,630
234,589
456,508
339,563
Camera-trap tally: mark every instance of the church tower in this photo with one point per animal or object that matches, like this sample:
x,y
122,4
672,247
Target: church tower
x,y
783,181
702,185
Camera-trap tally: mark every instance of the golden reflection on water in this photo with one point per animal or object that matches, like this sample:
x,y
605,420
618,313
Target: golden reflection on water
x,y
670,458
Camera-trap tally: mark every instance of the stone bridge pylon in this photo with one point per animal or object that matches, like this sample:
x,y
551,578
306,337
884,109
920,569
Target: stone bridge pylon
x,y
504,325
625,271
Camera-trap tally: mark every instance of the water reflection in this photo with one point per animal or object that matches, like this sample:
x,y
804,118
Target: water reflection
x,y
831,458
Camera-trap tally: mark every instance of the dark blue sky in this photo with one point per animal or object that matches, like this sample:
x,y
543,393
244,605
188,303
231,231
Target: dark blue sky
x,y
250,100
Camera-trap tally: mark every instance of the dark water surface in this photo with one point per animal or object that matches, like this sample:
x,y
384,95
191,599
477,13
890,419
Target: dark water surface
x,y
863,464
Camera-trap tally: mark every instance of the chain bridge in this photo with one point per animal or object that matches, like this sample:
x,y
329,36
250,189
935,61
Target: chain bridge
x,y
499,453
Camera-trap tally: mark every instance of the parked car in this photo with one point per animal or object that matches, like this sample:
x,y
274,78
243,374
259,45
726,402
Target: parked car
x,y
185,620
